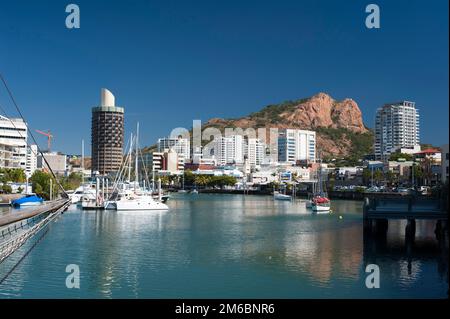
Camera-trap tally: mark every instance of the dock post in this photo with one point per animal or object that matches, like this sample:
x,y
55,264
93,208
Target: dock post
x,y
410,230
438,230
381,226
366,220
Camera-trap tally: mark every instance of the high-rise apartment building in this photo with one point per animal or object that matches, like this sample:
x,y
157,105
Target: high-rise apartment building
x,y
229,149
107,135
32,155
13,138
296,145
396,127
180,145
255,150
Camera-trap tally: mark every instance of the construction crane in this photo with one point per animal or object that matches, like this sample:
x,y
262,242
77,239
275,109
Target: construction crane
x,y
49,138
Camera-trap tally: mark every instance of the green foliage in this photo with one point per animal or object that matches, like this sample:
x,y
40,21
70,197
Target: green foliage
x,y
6,189
41,184
15,175
188,177
271,113
210,181
361,143
73,181
397,155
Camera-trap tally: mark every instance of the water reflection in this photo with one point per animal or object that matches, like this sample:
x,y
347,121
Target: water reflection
x,y
406,260
227,246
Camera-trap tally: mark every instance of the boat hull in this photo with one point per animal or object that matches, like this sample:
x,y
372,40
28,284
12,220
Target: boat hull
x,y
282,197
320,208
140,205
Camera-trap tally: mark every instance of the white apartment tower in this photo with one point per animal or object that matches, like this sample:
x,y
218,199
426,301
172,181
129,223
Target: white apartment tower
x,y
296,145
32,155
229,149
396,126
255,151
181,146
13,135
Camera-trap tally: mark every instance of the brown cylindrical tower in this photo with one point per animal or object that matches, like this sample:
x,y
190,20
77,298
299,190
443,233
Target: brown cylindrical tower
x,y
107,135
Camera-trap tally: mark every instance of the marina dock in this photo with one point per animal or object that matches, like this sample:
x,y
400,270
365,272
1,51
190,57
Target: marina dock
x,y
378,211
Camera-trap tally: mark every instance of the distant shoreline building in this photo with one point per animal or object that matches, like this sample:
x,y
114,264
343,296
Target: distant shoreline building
x,y
396,127
107,135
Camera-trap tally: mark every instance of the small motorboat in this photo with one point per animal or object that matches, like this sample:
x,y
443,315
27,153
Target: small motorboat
x,y
194,191
280,196
27,200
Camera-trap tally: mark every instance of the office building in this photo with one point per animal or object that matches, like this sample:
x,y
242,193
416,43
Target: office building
x,y
396,127
107,135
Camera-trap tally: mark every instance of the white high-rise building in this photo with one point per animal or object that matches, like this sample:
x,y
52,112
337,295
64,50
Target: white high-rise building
x,y
255,151
296,145
181,146
13,134
229,150
32,155
396,127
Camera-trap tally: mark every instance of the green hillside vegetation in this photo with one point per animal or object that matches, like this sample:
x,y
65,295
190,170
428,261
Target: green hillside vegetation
x,y
362,143
271,113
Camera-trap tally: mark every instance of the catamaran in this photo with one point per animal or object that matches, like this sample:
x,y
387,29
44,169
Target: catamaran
x,y
129,195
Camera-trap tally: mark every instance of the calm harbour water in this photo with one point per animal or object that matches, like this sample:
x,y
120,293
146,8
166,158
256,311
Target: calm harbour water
x,y
225,246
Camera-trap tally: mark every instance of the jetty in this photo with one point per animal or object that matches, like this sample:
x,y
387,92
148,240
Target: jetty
x,y
17,226
378,211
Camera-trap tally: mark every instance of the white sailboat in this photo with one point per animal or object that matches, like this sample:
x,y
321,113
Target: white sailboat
x,y
133,198
320,202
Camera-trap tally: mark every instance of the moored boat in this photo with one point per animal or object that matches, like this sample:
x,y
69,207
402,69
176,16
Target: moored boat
x,y
27,200
280,196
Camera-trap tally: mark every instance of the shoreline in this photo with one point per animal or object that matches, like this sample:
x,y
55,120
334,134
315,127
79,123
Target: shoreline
x,y
344,195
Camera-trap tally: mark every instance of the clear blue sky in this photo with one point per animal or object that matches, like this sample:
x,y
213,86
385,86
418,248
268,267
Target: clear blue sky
x,y
169,62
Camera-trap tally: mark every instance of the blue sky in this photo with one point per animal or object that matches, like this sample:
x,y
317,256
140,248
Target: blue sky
x,y
169,62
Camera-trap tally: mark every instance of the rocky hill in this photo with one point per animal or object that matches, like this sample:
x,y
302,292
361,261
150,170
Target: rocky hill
x,y
339,125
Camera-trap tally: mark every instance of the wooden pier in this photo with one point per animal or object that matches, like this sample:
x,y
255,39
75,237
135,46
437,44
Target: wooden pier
x,y
378,212
17,226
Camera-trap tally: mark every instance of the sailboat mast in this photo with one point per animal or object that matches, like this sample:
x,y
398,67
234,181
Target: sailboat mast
x,y
136,175
129,155
82,162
